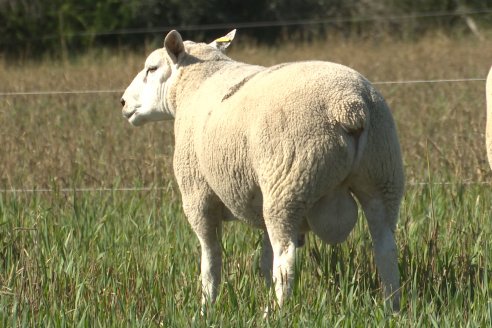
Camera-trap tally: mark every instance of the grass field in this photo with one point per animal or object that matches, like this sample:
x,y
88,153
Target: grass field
x,y
129,258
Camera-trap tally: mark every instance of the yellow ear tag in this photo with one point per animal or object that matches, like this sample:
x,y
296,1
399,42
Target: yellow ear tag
x,y
223,39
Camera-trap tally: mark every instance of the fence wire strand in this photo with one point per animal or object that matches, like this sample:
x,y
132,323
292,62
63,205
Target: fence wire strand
x,y
102,91
156,188
279,23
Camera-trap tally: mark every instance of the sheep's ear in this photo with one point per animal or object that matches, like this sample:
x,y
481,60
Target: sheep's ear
x,y
174,45
223,42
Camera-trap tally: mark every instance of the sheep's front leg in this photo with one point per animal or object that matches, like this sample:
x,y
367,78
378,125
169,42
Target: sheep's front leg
x,y
211,265
206,222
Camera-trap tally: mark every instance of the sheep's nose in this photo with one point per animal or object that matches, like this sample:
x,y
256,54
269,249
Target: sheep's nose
x,y
122,101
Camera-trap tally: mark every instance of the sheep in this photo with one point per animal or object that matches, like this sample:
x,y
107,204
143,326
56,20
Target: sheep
x,y
286,148
488,132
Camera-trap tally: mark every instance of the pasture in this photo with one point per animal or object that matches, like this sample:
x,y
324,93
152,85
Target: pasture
x,y
113,257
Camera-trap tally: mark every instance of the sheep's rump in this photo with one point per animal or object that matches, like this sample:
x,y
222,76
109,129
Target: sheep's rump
x,y
287,133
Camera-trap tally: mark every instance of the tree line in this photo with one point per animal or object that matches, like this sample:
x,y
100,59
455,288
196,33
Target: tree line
x,y
35,27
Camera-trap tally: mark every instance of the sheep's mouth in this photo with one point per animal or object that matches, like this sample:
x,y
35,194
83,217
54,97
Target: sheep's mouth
x,y
129,114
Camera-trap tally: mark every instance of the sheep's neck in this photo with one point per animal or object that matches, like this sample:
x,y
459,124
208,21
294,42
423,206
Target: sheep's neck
x,y
191,77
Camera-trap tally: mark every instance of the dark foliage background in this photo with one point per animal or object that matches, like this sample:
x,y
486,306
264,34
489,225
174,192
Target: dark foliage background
x,y
34,27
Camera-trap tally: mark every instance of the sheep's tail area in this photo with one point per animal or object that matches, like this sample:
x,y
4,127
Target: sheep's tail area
x,y
353,117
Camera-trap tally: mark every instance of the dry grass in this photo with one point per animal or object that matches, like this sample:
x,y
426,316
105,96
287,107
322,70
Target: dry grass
x,y
82,140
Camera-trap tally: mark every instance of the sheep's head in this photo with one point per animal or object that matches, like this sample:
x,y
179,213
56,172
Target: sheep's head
x,y
146,98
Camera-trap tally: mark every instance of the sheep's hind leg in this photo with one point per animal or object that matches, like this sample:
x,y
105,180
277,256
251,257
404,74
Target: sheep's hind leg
x,y
266,264
282,230
266,261
381,218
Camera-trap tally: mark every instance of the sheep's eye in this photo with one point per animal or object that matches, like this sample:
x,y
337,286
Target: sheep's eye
x,y
151,69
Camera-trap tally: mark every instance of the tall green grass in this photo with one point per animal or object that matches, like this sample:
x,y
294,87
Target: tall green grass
x,y
130,259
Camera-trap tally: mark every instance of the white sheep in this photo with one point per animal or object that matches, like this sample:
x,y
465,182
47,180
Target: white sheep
x,y
488,132
284,148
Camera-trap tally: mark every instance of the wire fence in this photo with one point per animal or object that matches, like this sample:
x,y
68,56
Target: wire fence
x,y
72,92
156,188
83,189
57,92
153,188
159,188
